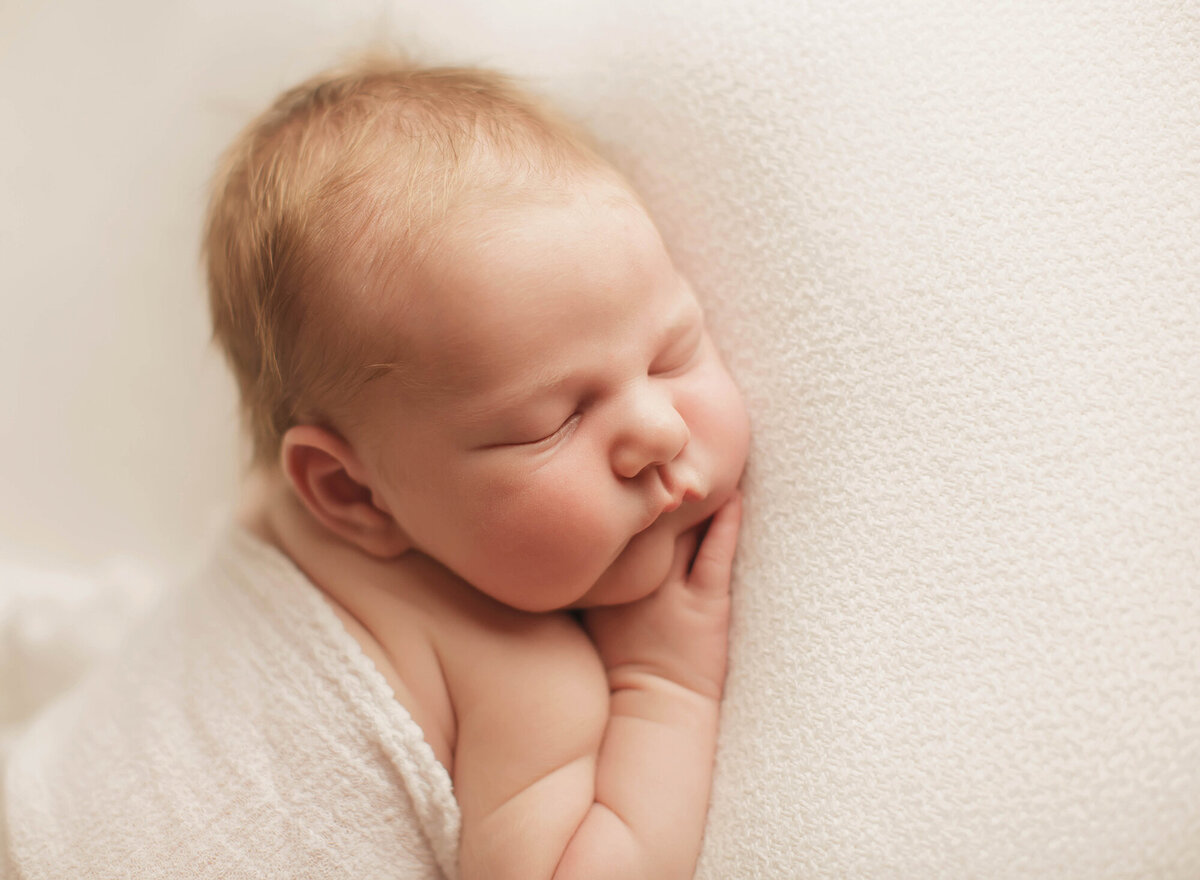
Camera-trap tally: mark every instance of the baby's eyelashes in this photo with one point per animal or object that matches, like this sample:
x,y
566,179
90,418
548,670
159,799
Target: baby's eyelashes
x,y
679,358
558,433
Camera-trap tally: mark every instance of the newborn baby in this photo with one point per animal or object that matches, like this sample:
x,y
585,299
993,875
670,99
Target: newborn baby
x,y
491,430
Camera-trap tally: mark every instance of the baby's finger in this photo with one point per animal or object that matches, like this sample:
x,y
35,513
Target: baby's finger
x,y
714,561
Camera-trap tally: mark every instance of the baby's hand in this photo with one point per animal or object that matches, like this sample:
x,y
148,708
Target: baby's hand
x,y
680,632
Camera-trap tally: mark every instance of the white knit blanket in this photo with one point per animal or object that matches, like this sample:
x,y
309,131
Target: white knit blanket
x,y
239,733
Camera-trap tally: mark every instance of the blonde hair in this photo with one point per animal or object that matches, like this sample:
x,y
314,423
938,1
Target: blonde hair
x,y
338,187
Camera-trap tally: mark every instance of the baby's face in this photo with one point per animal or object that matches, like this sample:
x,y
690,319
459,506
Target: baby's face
x,y
576,417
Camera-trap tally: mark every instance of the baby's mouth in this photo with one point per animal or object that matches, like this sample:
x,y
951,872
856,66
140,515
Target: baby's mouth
x,y
664,508
661,514
677,496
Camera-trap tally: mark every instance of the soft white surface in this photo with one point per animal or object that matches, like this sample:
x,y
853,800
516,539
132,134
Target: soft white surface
x,y
241,733
953,253
119,425
58,622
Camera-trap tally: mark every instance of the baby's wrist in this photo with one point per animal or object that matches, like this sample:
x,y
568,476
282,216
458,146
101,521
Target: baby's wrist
x,y
665,692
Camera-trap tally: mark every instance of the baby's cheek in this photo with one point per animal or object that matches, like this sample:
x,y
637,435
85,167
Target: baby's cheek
x,y
573,520
555,520
722,411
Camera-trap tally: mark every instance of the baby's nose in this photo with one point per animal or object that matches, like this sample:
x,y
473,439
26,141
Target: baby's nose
x,y
653,434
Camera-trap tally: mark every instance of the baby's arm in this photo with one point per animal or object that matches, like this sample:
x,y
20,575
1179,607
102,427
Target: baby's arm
x,y
665,658
626,798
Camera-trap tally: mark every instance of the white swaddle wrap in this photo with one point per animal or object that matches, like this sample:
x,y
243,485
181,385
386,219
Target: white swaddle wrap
x,y
242,733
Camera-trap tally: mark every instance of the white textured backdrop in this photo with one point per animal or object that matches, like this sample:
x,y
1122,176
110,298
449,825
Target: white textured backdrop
x,y
953,254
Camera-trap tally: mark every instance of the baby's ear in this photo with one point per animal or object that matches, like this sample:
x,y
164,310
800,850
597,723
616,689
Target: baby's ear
x,y
330,480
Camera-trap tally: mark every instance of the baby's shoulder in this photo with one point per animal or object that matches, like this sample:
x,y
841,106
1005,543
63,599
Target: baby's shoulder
x,y
449,652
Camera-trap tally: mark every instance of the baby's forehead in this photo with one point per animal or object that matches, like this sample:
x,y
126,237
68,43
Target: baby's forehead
x,y
420,306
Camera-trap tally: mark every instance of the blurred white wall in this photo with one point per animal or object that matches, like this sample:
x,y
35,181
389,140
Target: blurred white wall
x,y
118,434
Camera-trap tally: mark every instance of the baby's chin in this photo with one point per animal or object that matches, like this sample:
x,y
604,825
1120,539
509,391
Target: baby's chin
x,y
645,561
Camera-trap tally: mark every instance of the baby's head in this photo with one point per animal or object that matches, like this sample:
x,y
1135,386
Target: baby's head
x,y
455,330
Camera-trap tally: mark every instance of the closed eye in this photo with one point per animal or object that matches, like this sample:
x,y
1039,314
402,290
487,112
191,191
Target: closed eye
x,y
565,428
680,358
